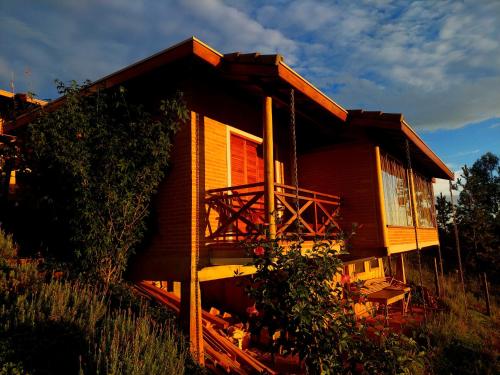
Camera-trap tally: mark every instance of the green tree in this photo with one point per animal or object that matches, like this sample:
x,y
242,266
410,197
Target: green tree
x,y
479,214
97,160
444,211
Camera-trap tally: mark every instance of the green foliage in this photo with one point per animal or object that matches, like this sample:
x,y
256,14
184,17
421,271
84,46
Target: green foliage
x,y
477,216
68,327
97,160
298,297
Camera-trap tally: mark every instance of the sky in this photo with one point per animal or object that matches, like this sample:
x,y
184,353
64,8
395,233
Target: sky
x,y
437,62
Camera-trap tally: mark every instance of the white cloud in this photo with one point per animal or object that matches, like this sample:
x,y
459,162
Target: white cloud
x,y
443,187
437,62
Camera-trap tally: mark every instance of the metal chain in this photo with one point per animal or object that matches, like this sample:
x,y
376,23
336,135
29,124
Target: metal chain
x,y
294,158
408,160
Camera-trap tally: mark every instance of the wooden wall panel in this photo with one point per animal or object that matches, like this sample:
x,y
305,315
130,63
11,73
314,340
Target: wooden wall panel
x,y
348,170
403,238
168,255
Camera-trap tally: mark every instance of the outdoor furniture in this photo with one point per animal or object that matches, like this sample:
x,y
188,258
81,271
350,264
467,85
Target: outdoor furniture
x,y
386,291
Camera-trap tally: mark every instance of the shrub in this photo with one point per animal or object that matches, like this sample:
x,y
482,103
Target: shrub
x,y
310,313
70,327
97,160
7,248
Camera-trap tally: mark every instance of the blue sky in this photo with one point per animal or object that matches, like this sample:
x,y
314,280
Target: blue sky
x,y
436,62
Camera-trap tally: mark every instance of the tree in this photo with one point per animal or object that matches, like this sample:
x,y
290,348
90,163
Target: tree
x,y
96,161
479,213
444,211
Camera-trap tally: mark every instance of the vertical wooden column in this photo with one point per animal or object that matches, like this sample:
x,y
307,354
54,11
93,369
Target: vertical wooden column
x,y
400,268
190,313
381,199
191,318
415,222
269,165
413,200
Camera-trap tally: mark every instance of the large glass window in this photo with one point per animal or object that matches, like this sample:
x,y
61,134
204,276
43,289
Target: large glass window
x,y
425,201
396,192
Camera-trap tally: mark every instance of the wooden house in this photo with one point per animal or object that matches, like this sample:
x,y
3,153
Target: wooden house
x,y
257,131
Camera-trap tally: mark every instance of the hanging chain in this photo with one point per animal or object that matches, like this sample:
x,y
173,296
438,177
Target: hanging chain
x,y
294,158
412,190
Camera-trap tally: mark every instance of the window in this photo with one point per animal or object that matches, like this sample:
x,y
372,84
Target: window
x,y
425,201
396,192
247,164
374,264
359,267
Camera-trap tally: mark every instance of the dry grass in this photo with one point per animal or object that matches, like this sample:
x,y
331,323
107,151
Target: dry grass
x,y
460,341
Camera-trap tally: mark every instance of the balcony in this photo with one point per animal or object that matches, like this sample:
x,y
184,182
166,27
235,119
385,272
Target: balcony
x,y
237,213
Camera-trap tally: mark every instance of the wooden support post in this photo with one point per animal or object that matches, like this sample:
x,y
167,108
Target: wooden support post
x,y
436,278
400,268
413,196
457,244
190,316
441,269
381,200
190,311
269,165
389,262
486,293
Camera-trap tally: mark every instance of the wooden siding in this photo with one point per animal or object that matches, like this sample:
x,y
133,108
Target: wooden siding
x,y
403,238
348,170
168,255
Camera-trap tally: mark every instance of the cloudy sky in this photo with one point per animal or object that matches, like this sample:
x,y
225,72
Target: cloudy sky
x,y
436,62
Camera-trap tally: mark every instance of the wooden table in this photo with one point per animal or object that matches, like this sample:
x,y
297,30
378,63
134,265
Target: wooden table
x,y
390,295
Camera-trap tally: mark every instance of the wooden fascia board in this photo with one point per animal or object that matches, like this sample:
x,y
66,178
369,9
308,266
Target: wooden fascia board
x,y
403,127
301,84
6,93
420,144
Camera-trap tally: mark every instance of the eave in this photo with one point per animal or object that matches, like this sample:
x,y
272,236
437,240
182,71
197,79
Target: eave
x,y
262,67
394,125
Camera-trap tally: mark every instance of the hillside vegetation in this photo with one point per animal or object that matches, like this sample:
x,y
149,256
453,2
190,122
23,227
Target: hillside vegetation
x,y
53,325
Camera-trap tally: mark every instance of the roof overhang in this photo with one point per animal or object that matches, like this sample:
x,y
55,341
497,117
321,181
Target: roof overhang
x,y
392,127
260,67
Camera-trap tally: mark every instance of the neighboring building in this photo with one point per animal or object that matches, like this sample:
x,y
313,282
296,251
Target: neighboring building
x,y
233,165
11,106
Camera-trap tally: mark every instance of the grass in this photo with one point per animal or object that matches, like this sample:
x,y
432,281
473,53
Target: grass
x,y
459,341
50,326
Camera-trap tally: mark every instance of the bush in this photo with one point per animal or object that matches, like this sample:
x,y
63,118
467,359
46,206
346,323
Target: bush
x,y
310,313
7,248
69,327
96,161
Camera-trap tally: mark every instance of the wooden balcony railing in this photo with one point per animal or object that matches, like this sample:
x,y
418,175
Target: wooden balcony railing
x,y
237,213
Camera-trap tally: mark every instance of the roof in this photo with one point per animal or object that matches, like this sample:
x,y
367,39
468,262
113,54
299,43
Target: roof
x,y
234,66
23,97
396,130
268,71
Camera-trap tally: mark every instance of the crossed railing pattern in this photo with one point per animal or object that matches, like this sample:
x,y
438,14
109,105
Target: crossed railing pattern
x,y
237,213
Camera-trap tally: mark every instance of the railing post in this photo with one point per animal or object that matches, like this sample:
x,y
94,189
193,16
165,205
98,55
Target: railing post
x,y
269,165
